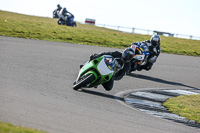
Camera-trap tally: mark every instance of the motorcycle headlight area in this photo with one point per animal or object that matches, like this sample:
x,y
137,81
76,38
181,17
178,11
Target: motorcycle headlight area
x,y
110,62
106,65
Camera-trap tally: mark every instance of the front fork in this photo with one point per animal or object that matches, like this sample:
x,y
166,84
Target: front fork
x,y
85,75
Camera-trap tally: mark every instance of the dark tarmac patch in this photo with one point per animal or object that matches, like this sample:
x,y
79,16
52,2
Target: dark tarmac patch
x,y
151,103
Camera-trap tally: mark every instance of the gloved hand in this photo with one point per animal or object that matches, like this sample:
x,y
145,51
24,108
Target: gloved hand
x,y
93,56
134,43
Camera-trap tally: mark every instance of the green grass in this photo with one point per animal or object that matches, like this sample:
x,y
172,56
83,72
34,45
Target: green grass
x,y
41,28
186,105
9,128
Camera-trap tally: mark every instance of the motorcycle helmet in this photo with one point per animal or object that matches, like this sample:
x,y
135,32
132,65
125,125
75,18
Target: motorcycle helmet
x,y
128,54
155,40
65,9
58,6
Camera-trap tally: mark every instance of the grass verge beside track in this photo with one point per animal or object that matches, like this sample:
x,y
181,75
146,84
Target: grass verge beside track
x,y
41,28
186,105
9,128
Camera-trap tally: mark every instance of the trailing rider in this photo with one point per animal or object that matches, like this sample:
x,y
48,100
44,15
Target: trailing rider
x,y
154,50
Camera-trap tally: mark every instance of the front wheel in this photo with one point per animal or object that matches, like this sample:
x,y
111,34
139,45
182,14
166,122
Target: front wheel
x,y
83,81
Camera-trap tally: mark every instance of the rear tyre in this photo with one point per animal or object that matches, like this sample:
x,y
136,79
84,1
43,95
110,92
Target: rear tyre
x,y
73,24
59,21
84,81
128,72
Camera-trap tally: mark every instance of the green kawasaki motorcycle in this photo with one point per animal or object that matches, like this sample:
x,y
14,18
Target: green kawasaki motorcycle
x,y
96,72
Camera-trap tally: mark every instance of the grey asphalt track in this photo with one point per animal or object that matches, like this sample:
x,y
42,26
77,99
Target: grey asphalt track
x,y
36,89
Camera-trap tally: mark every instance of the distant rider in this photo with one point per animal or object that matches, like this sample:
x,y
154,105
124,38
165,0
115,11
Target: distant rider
x,y
154,50
123,63
58,7
56,12
66,16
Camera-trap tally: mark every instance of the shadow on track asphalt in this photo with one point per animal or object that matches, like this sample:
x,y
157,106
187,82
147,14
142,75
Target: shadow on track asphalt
x,y
102,94
160,80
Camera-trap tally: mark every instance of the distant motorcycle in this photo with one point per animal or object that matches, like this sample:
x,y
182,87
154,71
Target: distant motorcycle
x,y
68,20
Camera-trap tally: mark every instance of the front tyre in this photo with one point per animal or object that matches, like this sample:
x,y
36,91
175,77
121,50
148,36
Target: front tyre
x,y
84,81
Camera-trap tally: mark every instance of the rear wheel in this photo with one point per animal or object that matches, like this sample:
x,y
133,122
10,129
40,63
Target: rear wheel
x,y
84,81
73,24
59,21
128,72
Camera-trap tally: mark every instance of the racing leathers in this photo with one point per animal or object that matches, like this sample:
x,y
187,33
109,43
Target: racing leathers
x,y
66,16
58,8
154,53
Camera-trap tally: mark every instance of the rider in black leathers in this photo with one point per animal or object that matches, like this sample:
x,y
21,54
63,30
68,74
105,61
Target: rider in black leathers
x,y
67,16
56,12
123,62
154,50
58,7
